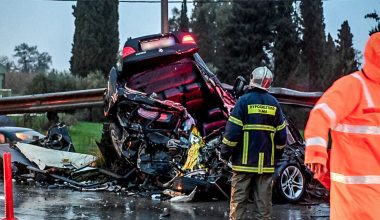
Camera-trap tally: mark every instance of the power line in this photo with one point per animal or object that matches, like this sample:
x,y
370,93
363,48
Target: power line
x,y
179,1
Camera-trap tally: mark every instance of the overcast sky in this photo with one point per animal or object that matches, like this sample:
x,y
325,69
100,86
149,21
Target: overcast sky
x,y
50,24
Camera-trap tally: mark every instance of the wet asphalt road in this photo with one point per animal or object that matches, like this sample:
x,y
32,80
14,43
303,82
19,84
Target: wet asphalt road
x,y
40,202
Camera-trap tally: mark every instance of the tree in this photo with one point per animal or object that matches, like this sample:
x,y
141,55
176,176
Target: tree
x,y
204,25
174,20
55,81
184,20
248,34
96,36
330,65
7,63
43,61
30,60
286,48
26,57
347,62
180,20
313,41
375,17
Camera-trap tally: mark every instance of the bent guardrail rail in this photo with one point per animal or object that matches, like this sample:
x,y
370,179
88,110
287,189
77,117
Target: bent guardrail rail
x,y
56,102
66,101
294,97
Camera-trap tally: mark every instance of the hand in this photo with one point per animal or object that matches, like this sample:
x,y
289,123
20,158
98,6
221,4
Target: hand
x,y
221,158
318,169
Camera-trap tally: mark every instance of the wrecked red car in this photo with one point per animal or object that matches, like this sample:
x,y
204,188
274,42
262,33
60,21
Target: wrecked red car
x,y
166,114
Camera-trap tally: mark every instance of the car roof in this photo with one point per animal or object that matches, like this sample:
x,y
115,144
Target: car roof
x,y
14,129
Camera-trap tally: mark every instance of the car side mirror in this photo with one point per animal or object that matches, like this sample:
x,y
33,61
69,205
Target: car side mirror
x,y
239,85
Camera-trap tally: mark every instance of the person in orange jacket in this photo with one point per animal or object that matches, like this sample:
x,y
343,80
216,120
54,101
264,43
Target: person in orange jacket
x,y
350,109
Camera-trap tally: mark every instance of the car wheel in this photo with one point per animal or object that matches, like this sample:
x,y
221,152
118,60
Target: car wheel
x,y
290,183
116,138
106,147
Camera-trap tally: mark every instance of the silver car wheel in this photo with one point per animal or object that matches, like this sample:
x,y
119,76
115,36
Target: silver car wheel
x,y
292,182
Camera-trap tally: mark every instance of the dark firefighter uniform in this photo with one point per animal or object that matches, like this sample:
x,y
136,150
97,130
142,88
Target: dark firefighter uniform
x,y
254,134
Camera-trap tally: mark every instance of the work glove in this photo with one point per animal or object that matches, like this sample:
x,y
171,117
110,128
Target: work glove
x,y
221,158
225,153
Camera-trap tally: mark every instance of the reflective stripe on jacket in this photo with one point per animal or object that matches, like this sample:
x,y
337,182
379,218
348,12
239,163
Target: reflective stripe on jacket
x,y
351,109
255,128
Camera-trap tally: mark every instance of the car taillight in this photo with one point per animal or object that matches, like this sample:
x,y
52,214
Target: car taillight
x,y
188,39
128,51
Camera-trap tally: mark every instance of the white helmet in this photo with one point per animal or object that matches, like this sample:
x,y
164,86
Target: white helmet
x,y
261,77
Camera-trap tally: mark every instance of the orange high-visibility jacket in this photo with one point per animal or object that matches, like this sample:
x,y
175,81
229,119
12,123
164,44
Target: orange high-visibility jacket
x,y
350,108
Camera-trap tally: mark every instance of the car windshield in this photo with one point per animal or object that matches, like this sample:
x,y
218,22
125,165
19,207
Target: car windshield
x,y
28,135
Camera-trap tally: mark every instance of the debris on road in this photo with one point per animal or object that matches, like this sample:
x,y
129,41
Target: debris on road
x,y
44,157
184,198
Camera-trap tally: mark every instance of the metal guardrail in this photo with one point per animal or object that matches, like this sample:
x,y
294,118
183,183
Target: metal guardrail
x,y
294,97
58,102
289,96
65,101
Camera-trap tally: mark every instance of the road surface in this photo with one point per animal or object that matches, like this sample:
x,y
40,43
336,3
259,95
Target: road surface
x,y
42,202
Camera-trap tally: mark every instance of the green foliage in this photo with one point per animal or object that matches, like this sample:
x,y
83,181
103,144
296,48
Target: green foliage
x,y
64,81
52,82
43,61
330,64
30,60
96,37
179,21
339,59
235,38
13,82
374,16
286,50
26,56
314,39
7,63
206,26
247,34
346,52
174,20
184,20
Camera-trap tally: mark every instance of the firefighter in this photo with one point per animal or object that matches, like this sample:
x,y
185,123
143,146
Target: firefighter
x,y
350,109
255,129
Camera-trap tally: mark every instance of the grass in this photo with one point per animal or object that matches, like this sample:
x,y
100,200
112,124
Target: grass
x,y
84,135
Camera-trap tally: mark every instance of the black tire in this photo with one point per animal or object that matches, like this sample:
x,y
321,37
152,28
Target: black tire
x,y
115,134
106,147
290,183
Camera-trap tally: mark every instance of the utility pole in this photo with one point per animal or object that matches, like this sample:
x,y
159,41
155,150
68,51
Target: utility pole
x,y
164,17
